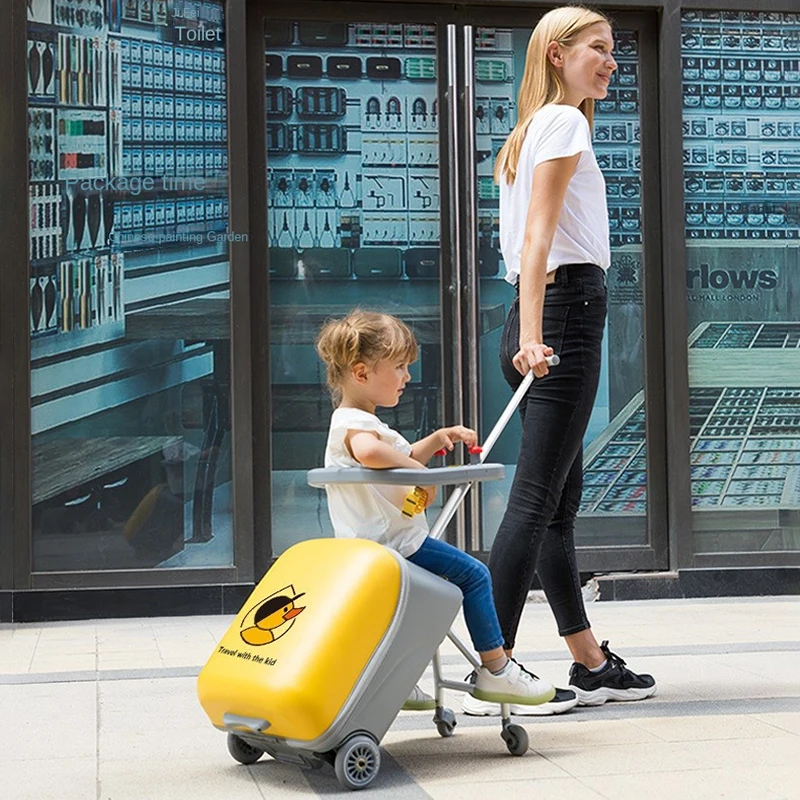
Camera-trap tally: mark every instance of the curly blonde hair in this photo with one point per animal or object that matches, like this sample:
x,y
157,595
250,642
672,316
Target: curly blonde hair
x,y
362,337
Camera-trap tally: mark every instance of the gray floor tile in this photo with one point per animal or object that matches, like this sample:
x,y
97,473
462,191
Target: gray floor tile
x,y
624,759
50,778
136,778
695,728
784,779
738,753
542,789
712,784
48,720
475,755
783,720
725,722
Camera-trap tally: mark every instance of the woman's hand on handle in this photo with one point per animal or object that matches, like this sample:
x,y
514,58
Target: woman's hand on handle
x,y
532,356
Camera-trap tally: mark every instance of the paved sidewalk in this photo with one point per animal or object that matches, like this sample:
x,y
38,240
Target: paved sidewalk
x,y
106,710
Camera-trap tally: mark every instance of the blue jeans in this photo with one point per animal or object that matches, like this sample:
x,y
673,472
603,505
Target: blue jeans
x,y
536,534
472,577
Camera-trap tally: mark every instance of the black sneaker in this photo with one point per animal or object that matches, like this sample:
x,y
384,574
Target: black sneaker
x,y
614,682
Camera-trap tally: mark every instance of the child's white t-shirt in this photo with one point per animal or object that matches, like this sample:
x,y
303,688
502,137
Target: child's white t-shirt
x,y
582,235
370,511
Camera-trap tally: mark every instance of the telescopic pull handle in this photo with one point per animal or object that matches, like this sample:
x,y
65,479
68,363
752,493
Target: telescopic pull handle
x,y
499,427
458,494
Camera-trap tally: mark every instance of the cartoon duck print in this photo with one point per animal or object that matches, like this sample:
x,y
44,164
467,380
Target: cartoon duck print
x,y
272,617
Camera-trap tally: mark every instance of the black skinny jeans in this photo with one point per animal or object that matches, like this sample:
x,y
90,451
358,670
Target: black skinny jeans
x,y
537,533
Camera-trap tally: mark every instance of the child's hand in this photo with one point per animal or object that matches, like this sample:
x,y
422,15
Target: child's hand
x,y
442,439
431,492
457,433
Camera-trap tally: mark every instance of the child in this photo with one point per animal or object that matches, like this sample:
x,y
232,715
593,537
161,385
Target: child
x,y
367,357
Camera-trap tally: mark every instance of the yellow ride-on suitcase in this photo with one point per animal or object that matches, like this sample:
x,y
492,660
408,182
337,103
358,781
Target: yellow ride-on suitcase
x,y
329,645
323,654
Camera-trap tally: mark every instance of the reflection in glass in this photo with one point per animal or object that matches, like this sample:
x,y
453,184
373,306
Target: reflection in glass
x,y
745,423
129,286
353,220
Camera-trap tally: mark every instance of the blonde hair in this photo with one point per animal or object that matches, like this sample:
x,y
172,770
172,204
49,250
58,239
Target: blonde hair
x,y
362,337
541,84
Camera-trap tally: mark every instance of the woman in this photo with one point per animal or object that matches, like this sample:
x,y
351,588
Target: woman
x,y
555,242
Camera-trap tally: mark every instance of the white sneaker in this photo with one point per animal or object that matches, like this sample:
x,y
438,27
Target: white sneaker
x,y
513,685
419,701
564,700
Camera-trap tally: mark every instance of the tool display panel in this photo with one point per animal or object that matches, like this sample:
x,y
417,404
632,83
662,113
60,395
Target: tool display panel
x,y
128,212
744,445
741,154
353,220
352,145
741,124
127,124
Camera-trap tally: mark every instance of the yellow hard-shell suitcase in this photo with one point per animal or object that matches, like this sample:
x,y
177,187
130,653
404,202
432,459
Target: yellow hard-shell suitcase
x,y
324,652
330,644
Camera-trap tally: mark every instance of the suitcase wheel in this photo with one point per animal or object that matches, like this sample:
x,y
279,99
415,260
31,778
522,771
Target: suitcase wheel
x,y
357,762
445,721
244,753
516,739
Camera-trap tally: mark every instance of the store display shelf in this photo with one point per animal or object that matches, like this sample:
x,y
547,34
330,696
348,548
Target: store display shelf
x,y
745,448
61,343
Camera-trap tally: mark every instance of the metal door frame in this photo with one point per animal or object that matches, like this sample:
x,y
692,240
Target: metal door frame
x,y
15,480
15,461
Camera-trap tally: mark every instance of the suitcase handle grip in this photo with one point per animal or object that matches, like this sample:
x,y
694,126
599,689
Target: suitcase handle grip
x,y
458,494
237,722
508,412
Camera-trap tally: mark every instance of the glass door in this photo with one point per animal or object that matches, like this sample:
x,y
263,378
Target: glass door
x,y
380,138
619,524
354,219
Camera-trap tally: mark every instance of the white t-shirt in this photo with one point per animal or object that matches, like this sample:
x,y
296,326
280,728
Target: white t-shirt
x,y
558,131
370,511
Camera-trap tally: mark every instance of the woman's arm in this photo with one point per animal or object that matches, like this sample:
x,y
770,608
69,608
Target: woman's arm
x,y
550,181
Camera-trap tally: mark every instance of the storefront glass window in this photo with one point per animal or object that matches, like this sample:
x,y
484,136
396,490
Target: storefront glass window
x,y
129,284
741,127
353,220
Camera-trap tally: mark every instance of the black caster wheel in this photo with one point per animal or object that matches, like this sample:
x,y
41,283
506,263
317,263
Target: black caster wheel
x,y
244,753
445,721
516,739
357,762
